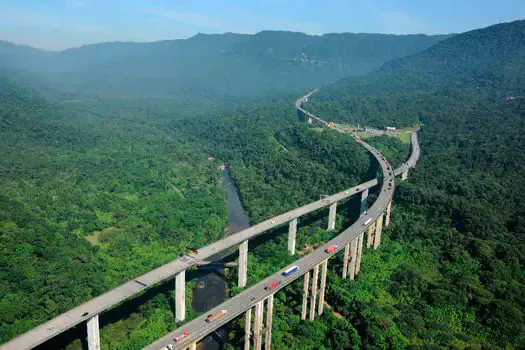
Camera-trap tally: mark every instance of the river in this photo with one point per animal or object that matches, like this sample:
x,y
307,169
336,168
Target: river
x,y
210,286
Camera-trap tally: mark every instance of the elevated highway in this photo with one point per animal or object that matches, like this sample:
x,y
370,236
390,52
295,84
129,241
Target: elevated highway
x,y
254,296
198,328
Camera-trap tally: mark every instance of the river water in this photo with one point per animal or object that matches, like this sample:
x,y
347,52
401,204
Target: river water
x,y
210,286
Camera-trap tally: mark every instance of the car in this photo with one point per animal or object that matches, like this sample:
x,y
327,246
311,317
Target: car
x,y
85,314
182,336
367,222
331,248
170,347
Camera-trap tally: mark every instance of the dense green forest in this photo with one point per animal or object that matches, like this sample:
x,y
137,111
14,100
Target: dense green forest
x,y
96,191
449,273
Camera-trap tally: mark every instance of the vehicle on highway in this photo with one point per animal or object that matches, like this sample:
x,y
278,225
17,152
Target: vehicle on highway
x,y
367,222
85,314
273,284
182,336
192,250
170,347
331,248
216,315
290,270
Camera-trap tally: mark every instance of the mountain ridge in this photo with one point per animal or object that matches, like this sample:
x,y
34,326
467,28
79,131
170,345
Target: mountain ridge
x,y
213,64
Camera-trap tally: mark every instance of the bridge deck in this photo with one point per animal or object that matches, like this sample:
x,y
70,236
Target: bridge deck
x,y
199,328
125,291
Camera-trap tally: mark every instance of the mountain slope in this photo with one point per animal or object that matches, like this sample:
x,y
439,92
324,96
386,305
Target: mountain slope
x,y
486,62
457,245
213,65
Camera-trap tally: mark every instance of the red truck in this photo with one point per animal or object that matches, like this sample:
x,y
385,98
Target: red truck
x,y
182,336
273,284
331,248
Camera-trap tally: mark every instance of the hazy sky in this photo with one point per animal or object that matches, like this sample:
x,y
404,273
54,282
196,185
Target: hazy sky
x,y
59,24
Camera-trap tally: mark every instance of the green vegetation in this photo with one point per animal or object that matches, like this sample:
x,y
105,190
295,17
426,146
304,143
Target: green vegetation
x,y
83,210
96,191
450,269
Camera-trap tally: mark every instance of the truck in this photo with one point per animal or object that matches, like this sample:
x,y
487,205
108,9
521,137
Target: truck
x,y
273,284
182,336
290,270
331,248
216,315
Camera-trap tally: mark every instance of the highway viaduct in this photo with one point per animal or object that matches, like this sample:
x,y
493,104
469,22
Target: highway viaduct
x,y
350,240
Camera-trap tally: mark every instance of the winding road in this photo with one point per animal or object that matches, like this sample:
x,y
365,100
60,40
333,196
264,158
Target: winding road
x,y
199,328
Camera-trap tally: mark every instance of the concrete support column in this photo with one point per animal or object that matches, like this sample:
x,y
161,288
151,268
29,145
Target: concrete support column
x,y
353,258
269,318
345,260
305,295
370,237
379,228
387,217
359,253
257,327
364,202
324,267
93,333
404,175
243,264
314,292
292,230
331,216
180,296
247,329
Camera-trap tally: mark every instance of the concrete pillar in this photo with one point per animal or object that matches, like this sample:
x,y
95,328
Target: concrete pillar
x,y
364,202
93,333
387,217
314,292
353,258
345,260
359,253
257,327
269,318
292,230
404,175
370,237
180,293
324,267
379,228
306,285
247,329
243,264
331,217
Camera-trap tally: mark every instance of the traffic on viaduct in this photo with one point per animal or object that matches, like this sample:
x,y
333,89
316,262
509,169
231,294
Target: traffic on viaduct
x,y
250,303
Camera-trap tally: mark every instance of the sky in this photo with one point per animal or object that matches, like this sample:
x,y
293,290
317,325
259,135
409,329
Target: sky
x,y
61,24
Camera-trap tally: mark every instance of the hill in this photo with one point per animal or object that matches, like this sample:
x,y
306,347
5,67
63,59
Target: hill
x,y
212,65
454,276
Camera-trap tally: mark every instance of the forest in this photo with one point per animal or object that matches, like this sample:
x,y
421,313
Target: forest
x,y
449,273
96,191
